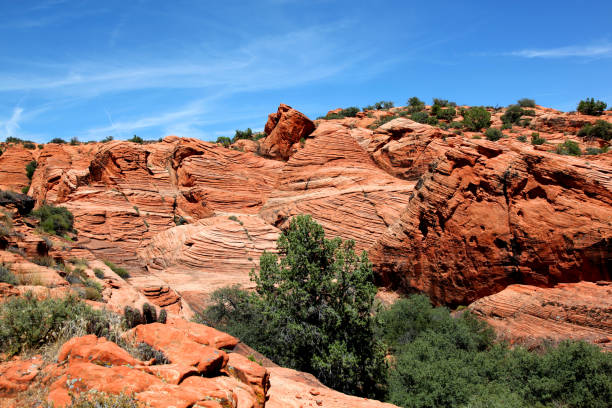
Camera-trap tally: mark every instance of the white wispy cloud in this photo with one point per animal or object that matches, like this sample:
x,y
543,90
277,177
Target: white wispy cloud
x,y
601,50
11,126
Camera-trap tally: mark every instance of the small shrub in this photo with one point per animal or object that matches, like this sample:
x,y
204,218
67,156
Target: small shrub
x,y
476,118
415,105
233,218
145,352
382,121
526,103
57,140
420,117
591,107
75,141
91,293
99,273
44,261
493,134
136,139
6,275
179,220
536,140
456,125
27,323
446,114
122,272
477,137
529,112
382,105
569,147
29,145
512,114
31,168
594,150
601,129
107,139
96,399
350,112
224,141
25,189
132,317
522,138
54,220
242,134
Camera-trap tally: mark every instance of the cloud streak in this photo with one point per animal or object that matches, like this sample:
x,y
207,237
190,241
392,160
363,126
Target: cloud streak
x,y
11,126
603,50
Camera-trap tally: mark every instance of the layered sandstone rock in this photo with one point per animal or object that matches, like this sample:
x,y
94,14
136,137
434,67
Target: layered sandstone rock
x,y
13,162
334,179
284,128
529,315
195,259
486,216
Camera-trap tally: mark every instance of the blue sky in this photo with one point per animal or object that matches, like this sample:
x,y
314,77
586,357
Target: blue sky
x,y
90,69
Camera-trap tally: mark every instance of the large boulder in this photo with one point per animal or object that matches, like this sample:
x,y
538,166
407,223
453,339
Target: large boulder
x,y
284,128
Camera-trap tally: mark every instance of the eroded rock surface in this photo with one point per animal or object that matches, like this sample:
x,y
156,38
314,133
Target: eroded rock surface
x,y
284,128
529,315
486,216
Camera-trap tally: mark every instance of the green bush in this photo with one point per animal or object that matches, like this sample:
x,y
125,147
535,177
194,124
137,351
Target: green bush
x,y
57,140
54,220
99,273
136,139
122,272
536,140
506,126
569,147
456,125
446,114
522,138
382,105
513,114
601,129
420,117
493,134
7,276
31,168
312,310
107,139
25,189
242,134
415,105
476,118
224,140
596,150
446,361
75,141
133,317
27,323
350,112
29,145
526,103
91,293
591,107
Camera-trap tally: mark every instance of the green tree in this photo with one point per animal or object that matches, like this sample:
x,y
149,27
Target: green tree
x,y
311,310
493,134
526,103
476,118
591,107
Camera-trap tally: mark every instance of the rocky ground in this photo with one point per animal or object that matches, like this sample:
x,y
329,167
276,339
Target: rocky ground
x,y
520,234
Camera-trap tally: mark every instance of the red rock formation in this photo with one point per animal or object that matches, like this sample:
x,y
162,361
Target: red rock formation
x,y
530,315
486,216
336,181
284,128
13,162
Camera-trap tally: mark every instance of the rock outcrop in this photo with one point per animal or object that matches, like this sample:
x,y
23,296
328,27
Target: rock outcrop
x,y
284,129
335,180
528,315
486,216
13,162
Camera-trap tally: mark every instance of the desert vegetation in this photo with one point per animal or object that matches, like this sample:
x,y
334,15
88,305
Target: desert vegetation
x,y
314,309
54,220
591,107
